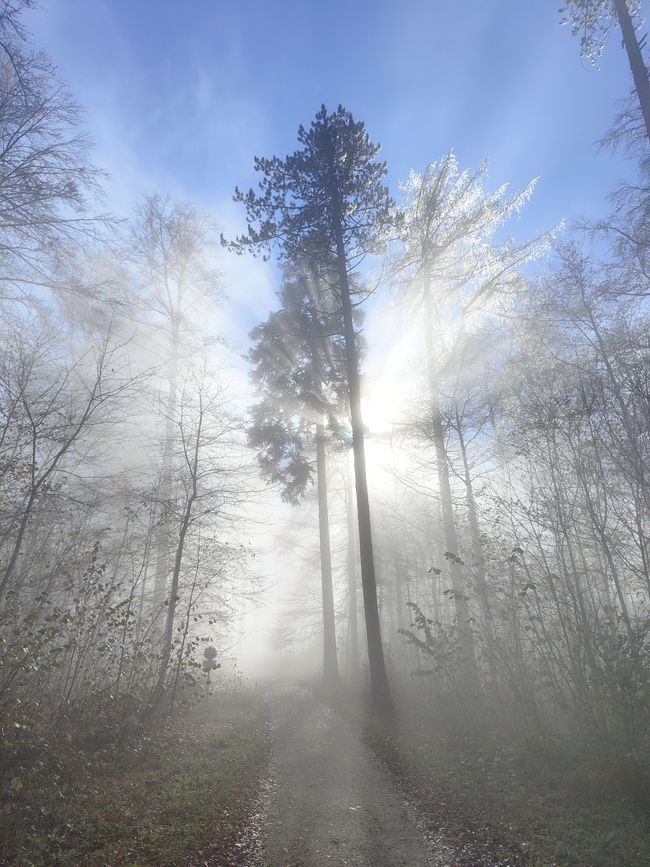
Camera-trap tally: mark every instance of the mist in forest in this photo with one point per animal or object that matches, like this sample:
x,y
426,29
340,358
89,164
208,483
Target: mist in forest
x,y
324,464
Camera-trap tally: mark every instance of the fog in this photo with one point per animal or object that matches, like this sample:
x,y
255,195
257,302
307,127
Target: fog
x,y
324,494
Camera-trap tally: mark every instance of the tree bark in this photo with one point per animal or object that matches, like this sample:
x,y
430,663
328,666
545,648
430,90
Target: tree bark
x,y
330,662
380,691
635,58
354,665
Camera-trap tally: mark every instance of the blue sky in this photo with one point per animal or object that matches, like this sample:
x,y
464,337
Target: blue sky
x,y
179,97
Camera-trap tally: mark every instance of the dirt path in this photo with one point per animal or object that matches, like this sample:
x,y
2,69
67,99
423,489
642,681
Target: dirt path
x,y
326,800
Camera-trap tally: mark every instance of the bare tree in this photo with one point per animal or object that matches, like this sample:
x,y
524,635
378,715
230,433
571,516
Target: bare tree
x,y
168,251
46,180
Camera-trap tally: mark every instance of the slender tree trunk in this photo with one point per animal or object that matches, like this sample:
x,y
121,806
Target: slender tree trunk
x,y
163,534
186,628
168,633
330,662
479,560
354,665
400,607
128,624
378,680
461,602
37,483
635,58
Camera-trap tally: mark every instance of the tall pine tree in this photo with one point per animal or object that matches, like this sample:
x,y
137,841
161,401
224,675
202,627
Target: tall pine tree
x,y
326,205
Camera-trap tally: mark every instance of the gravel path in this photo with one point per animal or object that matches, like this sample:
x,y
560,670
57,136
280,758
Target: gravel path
x,y
327,801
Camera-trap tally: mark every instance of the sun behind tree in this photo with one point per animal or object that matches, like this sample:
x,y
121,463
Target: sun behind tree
x,y
326,205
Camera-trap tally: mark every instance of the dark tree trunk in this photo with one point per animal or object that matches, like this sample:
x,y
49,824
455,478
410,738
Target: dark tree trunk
x,y
354,665
378,680
635,58
330,662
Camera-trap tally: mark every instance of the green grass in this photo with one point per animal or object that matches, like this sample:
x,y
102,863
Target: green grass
x,y
176,795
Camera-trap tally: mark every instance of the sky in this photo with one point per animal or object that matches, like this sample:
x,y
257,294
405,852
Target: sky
x,y
179,97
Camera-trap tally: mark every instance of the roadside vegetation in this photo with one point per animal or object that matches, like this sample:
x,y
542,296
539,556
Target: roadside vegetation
x,y
178,792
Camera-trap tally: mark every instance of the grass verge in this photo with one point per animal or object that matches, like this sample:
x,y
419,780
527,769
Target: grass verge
x,y
176,796
506,804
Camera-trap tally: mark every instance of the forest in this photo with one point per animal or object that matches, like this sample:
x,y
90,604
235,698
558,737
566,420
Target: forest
x,y
367,586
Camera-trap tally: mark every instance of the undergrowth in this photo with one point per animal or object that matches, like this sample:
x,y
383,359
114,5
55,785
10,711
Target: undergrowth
x,y
505,801
171,795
